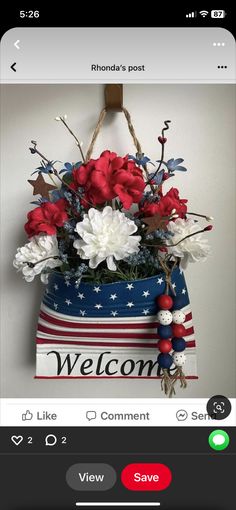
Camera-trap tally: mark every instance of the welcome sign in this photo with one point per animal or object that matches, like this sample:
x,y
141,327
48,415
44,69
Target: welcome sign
x,y
107,330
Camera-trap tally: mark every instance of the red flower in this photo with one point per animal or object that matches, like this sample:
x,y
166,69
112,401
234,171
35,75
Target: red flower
x,y
149,208
166,204
128,183
108,177
46,218
172,201
95,177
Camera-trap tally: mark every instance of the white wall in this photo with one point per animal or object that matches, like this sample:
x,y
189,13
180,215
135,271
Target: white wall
x,y
203,133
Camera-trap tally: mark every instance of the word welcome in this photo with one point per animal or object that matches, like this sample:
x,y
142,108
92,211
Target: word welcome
x,y
75,364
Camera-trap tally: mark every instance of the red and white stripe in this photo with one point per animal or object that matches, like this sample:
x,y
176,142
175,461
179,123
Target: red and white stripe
x,y
124,337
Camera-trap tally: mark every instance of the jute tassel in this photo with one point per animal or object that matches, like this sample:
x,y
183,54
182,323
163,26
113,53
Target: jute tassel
x,y
166,382
183,382
178,374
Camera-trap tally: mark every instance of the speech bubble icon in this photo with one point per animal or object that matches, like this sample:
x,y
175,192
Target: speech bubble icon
x,y
91,415
218,439
50,440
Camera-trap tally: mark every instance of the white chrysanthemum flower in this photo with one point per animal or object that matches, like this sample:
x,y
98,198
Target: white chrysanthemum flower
x,y
106,235
193,248
30,259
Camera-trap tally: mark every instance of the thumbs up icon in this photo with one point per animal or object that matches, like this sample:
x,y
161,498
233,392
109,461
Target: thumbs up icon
x,y
27,416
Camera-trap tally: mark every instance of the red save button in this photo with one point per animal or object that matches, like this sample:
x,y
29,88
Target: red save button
x,y
146,477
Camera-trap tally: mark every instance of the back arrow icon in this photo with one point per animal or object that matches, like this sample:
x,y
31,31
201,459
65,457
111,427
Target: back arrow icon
x,y
13,67
16,44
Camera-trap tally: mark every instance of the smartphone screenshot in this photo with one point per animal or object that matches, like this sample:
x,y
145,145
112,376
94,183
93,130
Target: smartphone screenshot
x,y
117,350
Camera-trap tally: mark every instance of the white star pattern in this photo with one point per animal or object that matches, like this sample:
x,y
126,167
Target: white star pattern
x,y
180,270
97,300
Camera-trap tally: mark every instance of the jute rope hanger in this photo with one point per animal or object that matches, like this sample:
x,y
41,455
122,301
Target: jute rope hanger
x,y
110,107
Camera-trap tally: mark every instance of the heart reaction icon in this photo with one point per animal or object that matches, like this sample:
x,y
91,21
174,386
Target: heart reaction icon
x,y
17,440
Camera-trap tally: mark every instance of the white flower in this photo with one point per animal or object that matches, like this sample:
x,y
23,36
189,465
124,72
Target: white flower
x,y
30,259
192,249
106,235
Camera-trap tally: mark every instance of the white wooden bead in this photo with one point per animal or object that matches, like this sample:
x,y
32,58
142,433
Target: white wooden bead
x,y
164,317
179,358
178,317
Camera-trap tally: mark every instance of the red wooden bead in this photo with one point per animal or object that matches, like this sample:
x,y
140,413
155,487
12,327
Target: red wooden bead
x,y
178,330
164,346
164,302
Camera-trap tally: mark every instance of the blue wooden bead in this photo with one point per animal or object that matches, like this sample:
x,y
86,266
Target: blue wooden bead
x,y
165,360
164,331
178,344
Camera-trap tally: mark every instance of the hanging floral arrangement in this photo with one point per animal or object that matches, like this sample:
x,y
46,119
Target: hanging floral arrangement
x,y
110,242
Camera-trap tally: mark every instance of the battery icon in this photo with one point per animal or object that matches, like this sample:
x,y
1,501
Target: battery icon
x,y
218,14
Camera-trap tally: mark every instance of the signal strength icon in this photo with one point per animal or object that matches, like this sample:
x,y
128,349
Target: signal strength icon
x,y
191,14
204,13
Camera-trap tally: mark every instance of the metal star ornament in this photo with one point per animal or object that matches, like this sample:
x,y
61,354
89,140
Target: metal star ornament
x,y
41,187
155,222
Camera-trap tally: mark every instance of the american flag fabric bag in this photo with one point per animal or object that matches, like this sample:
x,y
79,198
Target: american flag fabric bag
x,y
107,330
110,239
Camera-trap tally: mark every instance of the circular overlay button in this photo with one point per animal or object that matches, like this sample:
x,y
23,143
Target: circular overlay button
x,y
218,440
146,477
219,407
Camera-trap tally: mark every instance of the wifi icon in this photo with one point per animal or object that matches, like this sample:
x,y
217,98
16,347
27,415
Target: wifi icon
x,y
204,13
